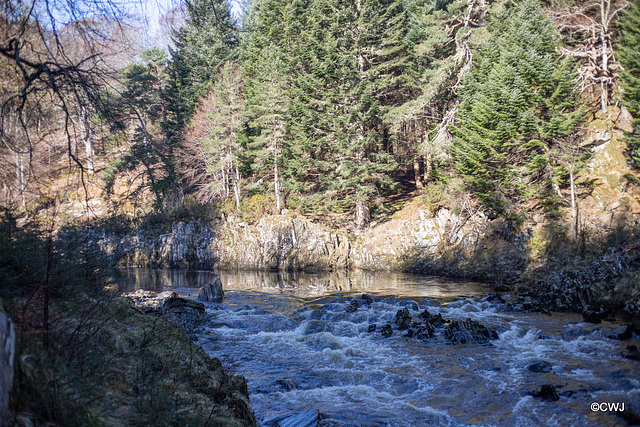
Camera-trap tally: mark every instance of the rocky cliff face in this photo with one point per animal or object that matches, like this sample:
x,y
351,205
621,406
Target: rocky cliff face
x,y
284,243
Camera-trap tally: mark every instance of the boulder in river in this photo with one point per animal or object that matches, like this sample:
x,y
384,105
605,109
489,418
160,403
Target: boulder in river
x,y
631,353
182,306
386,331
593,315
433,319
424,331
366,299
212,292
468,331
371,328
547,392
353,306
622,333
403,318
539,367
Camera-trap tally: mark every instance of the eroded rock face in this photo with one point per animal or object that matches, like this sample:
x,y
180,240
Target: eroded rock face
x,y
7,353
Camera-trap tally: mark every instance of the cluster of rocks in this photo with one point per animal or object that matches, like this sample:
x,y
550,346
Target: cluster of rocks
x,y
164,303
182,311
425,325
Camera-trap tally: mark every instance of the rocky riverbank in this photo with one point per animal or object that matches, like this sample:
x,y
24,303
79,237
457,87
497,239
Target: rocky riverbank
x,y
532,257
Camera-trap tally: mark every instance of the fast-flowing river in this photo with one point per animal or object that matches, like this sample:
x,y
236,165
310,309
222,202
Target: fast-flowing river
x,y
303,345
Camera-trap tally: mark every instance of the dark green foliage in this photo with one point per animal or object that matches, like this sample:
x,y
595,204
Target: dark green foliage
x,y
143,102
629,56
207,39
518,106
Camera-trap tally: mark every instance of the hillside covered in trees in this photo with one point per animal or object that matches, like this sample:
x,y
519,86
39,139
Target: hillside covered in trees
x,y
322,108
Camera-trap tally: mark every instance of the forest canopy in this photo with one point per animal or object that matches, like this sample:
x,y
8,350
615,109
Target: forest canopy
x,y
316,106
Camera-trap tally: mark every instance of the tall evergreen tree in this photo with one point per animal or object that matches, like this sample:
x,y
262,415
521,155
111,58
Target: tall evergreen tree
x,y
207,39
222,146
268,111
629,56
518,105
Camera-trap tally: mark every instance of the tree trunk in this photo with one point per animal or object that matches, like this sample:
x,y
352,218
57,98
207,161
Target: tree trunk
x,y
236,186
362,215
20,184
276,181
604,92
574,206
427,169
85,127
416,172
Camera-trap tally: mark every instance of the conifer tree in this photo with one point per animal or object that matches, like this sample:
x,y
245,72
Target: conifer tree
x,y
222,146
268,109
629,56
517,108
207,39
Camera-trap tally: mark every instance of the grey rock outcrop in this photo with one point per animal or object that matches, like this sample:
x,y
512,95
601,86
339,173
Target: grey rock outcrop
x,y
212,292
7,353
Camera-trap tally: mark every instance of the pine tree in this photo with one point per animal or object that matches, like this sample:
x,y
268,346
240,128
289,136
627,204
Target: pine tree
x,y
629,56
206,41
518,105
345,74
222,146
268,110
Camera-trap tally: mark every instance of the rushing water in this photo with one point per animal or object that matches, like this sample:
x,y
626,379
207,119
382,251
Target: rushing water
x,y
300,347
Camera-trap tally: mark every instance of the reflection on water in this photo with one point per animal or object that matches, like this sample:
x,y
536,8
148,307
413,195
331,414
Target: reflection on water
x,y
304,285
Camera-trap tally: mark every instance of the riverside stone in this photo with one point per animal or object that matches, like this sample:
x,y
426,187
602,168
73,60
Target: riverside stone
x,y
212,292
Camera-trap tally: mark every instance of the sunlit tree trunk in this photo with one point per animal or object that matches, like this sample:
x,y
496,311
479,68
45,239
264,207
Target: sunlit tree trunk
x,y
85,127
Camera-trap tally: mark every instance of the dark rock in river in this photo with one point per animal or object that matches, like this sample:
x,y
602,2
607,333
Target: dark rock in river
x,y
434,320
468,331
495,298
386,331
371,328
403,318
353,306
424,331
592,315
622,333
212,292
630,416
366,299
548,392
631,353
286,384
539,367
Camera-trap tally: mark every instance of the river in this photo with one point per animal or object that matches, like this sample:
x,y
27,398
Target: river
x,y
303,345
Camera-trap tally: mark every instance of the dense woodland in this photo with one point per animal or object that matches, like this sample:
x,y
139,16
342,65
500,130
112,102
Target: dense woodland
x,y
314,106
